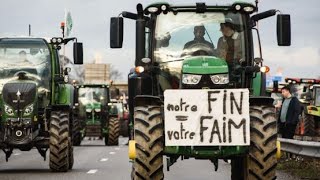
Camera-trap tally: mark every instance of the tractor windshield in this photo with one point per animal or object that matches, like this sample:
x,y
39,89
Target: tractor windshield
x,y
27,56
93,96
188,34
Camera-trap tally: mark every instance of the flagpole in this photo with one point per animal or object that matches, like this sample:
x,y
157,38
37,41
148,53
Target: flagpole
x,y
63,35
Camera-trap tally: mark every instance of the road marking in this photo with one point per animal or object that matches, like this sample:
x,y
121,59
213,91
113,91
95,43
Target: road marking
x,y
92,171
112,152
104,159
17,154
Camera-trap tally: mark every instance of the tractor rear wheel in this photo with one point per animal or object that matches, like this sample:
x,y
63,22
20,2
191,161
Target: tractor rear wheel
x,y
261,161
59,141
113,131
148,134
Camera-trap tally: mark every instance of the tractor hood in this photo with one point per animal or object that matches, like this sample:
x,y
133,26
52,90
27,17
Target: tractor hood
x,y
204,65
19,93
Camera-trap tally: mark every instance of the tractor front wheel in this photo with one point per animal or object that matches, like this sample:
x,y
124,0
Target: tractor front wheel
x,y
113,131
261,161
148,134
59,141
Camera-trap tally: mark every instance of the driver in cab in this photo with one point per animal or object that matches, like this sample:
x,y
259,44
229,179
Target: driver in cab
x,y
23,58
199,32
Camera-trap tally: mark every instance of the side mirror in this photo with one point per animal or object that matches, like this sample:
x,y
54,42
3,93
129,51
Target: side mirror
x,y
77,53
283,30
116,32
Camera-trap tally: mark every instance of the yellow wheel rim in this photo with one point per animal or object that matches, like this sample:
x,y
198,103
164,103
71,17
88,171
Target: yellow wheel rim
x,y
132,149
278,154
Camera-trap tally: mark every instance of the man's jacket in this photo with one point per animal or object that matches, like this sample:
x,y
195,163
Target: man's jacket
x,y
294,110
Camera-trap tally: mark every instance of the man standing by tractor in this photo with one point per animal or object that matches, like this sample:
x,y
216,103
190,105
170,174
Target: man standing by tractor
x,y
289,113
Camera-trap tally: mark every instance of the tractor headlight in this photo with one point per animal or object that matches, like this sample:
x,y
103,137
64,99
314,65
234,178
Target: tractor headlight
x,y
97,110
220,79
88,110
28,110
8,110
191,79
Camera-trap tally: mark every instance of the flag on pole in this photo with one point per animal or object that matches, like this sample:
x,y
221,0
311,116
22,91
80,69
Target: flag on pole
x,y
68,24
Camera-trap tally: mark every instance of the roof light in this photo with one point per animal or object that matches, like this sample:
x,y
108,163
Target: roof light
x,y
237,7
163,7
248,9
153,9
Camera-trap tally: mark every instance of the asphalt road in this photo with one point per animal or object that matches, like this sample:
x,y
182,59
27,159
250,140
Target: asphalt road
x,y
94,161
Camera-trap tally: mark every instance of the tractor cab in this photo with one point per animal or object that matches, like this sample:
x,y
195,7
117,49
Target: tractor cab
x,y
193,64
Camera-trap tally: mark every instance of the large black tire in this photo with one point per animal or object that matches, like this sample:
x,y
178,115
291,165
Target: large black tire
x,y
71,158
59,141
76,132
113,131
124,128
261,161
148,134
308,124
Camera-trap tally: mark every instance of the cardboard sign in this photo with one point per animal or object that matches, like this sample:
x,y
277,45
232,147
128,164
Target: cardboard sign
x,y
210,117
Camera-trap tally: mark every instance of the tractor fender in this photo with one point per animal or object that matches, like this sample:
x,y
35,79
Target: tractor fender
x,y
261,100
147,99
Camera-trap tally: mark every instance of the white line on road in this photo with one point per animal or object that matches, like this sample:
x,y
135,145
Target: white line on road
x,y
112,152
17,154
104,159
92,171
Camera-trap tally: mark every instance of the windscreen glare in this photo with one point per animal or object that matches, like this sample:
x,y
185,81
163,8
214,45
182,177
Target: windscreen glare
x,y
177,37
29,56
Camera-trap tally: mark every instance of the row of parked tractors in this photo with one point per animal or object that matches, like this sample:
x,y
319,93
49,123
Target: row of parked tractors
x,y
40,108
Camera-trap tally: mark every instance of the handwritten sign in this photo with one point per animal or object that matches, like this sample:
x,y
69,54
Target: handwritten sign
x,y
211,117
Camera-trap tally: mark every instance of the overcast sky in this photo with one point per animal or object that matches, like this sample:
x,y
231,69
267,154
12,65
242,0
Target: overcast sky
x,y
91,21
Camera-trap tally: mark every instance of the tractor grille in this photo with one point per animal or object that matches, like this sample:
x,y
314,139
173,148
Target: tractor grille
x,y
27,94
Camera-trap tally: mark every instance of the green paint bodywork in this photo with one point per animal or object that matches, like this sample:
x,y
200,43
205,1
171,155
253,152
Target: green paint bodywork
x,y
65,94
257,84
204,65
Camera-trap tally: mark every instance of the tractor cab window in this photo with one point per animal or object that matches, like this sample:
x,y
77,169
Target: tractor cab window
x,y
185,35
317,96
25,59
89,95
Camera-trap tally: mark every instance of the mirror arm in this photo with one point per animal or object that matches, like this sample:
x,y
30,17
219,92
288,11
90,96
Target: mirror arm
x,y
66,40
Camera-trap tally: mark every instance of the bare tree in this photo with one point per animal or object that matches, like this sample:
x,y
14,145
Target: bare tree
x,y
114,73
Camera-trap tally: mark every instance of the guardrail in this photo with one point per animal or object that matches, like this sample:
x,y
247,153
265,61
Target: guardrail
x,y
302,148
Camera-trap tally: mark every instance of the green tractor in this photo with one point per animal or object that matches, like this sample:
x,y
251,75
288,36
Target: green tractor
x,y
36,102
190,101
97,117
